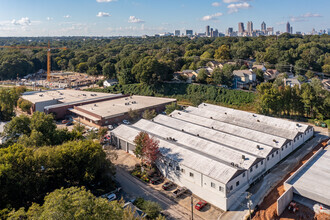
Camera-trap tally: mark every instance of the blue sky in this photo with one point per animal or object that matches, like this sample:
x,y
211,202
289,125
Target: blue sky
x,y
138,17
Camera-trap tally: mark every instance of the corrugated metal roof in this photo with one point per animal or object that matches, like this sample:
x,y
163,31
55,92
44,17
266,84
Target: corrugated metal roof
x,y
246,133
235,142
203,164
217,150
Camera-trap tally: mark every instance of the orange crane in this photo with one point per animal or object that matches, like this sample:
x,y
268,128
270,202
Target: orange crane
x,y
40,47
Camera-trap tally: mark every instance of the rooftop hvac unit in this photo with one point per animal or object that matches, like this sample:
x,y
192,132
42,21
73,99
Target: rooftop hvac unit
x,y
131,97
225,113
236,165
211,117
258,120
232,163
179,113
84,94
126,98
182,130
212,127
274,140
258,147
254,115
243,157
197,135
204,104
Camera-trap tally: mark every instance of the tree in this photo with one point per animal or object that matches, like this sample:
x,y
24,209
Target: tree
x,y
44,124
18,126
202,76
139,141
150,151
133,114
260,75
149,114
171,107
300,78
126,77
74,203
109,70
24,105
309,74
222,53
82,67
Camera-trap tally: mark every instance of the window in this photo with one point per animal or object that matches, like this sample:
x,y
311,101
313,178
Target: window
x,y
286,146
170,164
106,122
262,162
182,170
244,174
268,158
282,148
231,187
276,152
212,185
177,168
272,154
220,189
256,166
191,174
237,183
251,169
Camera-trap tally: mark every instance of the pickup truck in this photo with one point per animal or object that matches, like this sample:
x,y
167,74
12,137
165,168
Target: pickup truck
x,y
178,192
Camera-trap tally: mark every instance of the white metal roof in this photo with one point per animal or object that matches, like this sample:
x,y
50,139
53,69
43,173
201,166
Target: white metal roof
x,y
203,164
235,142
246,133
242,121
200,144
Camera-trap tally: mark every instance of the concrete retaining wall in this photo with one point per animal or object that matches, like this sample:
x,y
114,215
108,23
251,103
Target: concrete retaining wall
x,y
284,201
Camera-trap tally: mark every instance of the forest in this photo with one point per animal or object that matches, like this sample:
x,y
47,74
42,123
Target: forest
x,y
151,60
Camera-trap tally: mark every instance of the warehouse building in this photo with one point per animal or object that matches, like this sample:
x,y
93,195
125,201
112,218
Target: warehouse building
x,y
103,113
240,151
311,182
59,101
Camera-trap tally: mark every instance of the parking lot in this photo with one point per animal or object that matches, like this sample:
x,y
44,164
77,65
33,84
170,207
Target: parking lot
x,y
177,208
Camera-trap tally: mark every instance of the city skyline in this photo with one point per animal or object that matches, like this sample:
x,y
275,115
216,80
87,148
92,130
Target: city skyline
x,y
131,18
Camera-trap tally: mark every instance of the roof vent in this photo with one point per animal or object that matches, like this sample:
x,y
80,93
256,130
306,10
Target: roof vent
x,y
243,157
258,147
298,125
95,105
211,117
258,120
236,165
274,140
197,135
182,130
232,163
225,113
126,98
179,113
170,115
254,115
212,127
204,104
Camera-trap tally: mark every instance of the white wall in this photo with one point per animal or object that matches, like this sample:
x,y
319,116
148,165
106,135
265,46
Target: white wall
x,y
273,159
41,105
257,169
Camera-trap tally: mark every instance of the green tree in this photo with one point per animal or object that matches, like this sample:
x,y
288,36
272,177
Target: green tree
x,y
140,141
222,53
171,107
82,67
133,114
149,114
24,105
202,76
18,125
260,75
44,124
74,203
309,74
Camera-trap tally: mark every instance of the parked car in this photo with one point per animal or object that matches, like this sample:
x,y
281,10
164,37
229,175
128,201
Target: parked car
x,y
110,127
200,205
167,185
155,180
126,122
179,192
65,121
69,123
111,197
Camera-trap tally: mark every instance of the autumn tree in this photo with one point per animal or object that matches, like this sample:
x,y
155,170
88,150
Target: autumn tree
x,y
222,53
146,148
140,142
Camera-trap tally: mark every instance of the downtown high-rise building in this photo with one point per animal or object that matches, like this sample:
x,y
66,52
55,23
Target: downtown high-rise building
x,y
288,28
189,32
291,30
177,33
263,27
240,27
250,27
230,31
270,31
208,33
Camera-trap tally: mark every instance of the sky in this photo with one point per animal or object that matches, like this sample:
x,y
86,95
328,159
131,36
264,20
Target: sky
x,y
139,17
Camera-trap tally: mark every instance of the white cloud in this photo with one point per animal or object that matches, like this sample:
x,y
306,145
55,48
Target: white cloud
x,y
49,18
211,17
103,14
216,4
133,19
100,1
304,17
234,1
234,7
66,16
311,15
23,21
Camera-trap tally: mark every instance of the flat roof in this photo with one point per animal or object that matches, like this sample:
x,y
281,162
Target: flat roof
x,y
62,95
314,178
114,107
242,121
196,161
214,149
246,133
235,142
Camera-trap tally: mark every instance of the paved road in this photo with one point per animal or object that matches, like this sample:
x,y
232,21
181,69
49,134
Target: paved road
x,y
133,188
261,189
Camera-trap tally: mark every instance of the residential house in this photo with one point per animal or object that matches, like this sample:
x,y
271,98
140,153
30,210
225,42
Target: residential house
x,y
292,82
110,82
259,67
326,84
244,78
270,74
209,70
214,64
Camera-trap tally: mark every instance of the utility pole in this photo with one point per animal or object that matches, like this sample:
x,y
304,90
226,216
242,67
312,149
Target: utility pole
x,y
192,208
249,203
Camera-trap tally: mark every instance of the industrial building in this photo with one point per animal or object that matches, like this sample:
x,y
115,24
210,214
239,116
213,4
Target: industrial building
x,y
216,152
311,181
111,111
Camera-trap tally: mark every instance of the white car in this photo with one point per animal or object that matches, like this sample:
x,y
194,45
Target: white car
x,y
111,197
110,127
126,122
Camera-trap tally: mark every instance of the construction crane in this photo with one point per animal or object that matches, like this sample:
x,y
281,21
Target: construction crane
x,y
40,47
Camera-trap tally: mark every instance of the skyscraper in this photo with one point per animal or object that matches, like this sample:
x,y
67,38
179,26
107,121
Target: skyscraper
x,y
250,27
177,32
263,27
189,32
230,31
291,31
288,28
240,27
207,30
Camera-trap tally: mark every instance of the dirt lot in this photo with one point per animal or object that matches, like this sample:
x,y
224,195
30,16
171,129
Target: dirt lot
x,y
209,212
267,209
